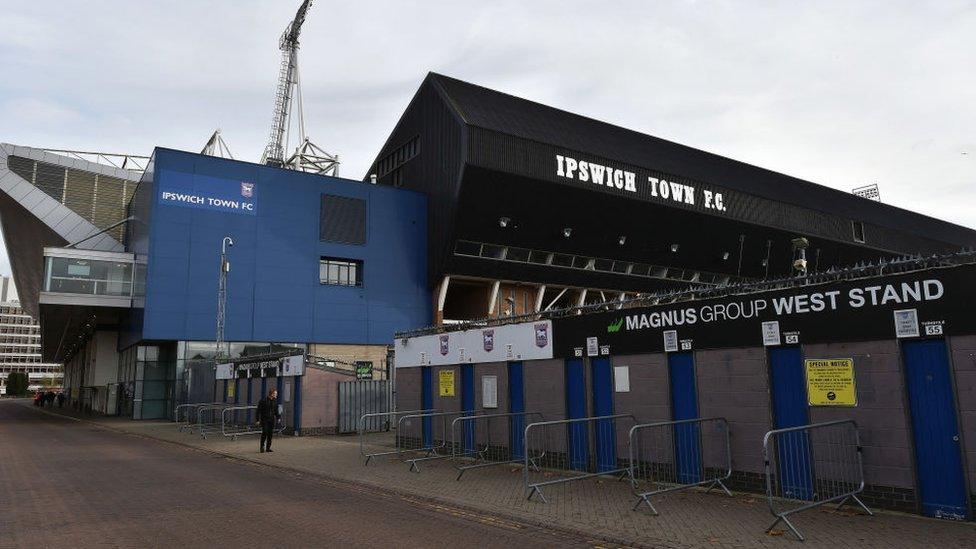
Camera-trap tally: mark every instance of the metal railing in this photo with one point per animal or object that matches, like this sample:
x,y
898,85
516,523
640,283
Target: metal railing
x,y
209,418
812,465
416,432
675,455
490,439
189,414
570,450
382,426
233,425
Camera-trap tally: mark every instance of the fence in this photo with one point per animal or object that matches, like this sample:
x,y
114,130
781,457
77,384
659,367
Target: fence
x,y
357,398
417,432
675,455
378,435
237,421
209,418
587,445
490,439
189,415
812,465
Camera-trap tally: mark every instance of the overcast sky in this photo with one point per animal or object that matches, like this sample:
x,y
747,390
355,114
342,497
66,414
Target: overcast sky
x,y
839,93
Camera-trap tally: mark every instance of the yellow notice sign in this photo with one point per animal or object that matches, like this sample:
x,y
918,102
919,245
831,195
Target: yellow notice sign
x,y
231,387
830,382
446,383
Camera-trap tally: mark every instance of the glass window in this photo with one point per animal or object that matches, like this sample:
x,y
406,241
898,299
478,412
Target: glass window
x,y
340,272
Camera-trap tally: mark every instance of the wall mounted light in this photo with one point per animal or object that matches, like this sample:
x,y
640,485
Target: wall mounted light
x,y
622,240
674,248
567,232
503,222
725,256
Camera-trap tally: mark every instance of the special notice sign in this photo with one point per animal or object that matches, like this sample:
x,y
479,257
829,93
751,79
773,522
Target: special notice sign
x,y
830,382
446,383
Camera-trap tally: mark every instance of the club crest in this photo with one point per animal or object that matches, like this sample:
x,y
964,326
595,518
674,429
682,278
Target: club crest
x,y
247,189
489,338
541,335
445,339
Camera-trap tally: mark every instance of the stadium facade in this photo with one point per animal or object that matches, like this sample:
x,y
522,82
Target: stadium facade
x,y
502,238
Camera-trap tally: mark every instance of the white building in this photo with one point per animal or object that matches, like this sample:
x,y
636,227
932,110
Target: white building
x,y
20,343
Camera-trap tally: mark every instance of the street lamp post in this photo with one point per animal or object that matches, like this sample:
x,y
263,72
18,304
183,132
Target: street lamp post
x,y
222,293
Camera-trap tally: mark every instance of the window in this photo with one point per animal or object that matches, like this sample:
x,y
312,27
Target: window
x,y
858,228
340,272
343,219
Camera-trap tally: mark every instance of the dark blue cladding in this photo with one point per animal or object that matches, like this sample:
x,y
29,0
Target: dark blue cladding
x,y
274,292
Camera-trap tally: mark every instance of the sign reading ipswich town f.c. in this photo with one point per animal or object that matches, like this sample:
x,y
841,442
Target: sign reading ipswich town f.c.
x,y
206,192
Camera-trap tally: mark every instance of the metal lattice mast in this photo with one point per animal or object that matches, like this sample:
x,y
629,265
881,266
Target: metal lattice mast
x,y
222,293
274,153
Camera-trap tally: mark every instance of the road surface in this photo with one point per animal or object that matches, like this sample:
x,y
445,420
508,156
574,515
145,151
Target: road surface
x,y
65,483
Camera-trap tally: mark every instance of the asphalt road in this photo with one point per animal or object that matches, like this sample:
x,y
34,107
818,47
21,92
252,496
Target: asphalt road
x,y
65,483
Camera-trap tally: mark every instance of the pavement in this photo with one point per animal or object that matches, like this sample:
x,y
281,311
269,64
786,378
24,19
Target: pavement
x,y
595,511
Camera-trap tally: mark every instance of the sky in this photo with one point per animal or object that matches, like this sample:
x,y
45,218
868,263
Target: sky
x,y
840,93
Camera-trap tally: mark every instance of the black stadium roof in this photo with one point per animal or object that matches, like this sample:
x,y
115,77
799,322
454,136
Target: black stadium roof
x,y
500,112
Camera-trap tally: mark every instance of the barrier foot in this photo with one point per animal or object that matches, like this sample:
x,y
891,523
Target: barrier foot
x,y
788,524
859,502
537,490
721,484
366,463
460,473
414,468
533,464
647,500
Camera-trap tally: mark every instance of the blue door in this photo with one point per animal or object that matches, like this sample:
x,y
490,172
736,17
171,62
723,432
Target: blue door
x,y
606,440
789,389
467,404
938,460
684,405
516,405
578,443
426,403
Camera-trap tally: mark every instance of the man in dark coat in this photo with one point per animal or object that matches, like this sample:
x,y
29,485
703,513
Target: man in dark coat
x,y
268,417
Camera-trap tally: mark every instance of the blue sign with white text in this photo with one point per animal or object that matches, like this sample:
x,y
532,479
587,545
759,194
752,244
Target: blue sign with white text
x,y
208,193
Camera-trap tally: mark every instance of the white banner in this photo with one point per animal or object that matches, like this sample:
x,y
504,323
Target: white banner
x,y
225,371
525,341
293,365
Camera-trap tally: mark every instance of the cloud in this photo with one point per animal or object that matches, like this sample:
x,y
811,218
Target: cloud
x,y
840,93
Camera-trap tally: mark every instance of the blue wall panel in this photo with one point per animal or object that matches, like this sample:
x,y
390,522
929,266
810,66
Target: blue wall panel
x,y
273,291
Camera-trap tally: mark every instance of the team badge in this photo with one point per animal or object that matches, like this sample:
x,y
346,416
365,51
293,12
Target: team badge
x,y
489,337
247,189
541,335
444,344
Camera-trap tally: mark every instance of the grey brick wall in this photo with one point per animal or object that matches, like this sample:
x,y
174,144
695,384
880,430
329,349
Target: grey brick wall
x,y
881,412
498,427
408,387
734,384
963,355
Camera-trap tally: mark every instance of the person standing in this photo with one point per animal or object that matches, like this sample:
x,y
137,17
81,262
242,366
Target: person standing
x,y
268,417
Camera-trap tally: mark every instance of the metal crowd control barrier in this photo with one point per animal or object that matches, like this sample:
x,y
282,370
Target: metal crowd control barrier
x,y
490,439
570,450
416,432
209,418
674,455
380,424
812,465
232,424
187,410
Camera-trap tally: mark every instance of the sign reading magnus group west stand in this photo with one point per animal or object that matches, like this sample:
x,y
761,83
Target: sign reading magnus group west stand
x,y
206,192
848,310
